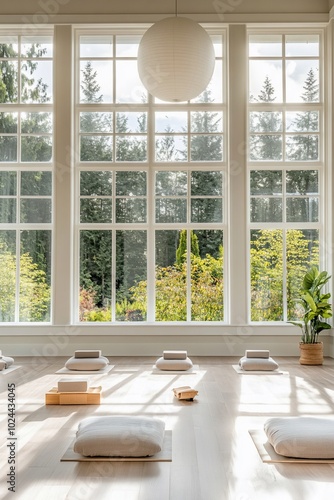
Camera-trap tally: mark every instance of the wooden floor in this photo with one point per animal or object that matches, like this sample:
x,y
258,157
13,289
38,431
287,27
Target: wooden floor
x,y
214,457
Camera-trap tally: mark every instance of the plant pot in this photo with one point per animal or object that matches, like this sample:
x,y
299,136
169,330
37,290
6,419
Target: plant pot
x,y
311,354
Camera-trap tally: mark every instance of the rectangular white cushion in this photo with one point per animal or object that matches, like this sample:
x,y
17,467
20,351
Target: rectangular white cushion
x,y
258,364
119,436
301,437
253,353
87,353
175,354
70,385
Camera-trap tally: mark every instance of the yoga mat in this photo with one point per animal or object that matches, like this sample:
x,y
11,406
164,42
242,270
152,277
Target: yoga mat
x,y
104,370
191,371
258,372
165,455
268,454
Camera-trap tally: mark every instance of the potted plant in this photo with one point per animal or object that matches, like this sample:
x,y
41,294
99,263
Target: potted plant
x,y
316,309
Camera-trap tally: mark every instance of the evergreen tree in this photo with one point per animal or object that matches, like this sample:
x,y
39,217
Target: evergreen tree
x,y
181,252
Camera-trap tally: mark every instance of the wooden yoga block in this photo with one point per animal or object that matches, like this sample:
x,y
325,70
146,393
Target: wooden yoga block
x,y
91,397
185,392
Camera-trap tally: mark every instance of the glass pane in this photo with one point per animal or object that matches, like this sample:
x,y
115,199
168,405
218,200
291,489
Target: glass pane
x,y
131,275
206,121
266,275
302,209
129,87
36,123
206,183
8,46
9,72
217,45
34,148
95,275
8,148
96,79
97,183
171,210
206,148
172,121
302,147
207,302
261,87
8,275
96,121
307,121
131,183
7,183
96,46
8,123
302,81
36,81
131,148
265,121
97,210
170,275
130,210
265,45
35,276
268,182
171,148
36,46
206,210
96,148
35,211
266,210
171,183
214,91
302,45
7,210
127,45
265,147
302,251
303,182
36,183
131,122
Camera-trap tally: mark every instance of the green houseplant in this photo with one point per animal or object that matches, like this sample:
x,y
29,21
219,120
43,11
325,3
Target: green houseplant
x,y
316,309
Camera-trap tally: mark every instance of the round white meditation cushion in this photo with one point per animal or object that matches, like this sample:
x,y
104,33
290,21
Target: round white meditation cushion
x,y
86,364
2,365
258,364
8,361
174,364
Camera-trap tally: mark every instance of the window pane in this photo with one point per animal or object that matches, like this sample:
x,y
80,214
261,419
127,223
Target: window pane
x,y
302,209
36,123
206,183
36,46
7,210
8,148
206,210
96,46
131,183
302,45
171,148
207,276
267,182
8,46
214,90
302,121
131,122
96,121
265,147
303,182
266,210
302,84
302,147
36,81
95,275
97,210
265,45
7,183
96,183
129,87
206,121
35,211
171,121
8,123
131,148
8,275
130,210
96,148
127,45
170,276
131,276
35,276
267,275
261,87
36,183
171,183
9,72
96,81
169,210
36,148
265,121
206,148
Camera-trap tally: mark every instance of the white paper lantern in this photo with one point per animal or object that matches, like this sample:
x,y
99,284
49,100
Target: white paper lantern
x,y
175,59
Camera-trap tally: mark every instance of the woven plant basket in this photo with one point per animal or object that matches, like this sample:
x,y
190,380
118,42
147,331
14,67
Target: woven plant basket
x,y
311,354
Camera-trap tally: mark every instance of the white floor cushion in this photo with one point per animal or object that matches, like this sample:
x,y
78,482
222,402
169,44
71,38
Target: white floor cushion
x,y
86,364
2,365
119,436
301,437
8,361
265,364
174,364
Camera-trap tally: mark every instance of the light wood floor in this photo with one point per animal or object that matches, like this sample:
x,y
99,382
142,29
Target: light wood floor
x,y
214,457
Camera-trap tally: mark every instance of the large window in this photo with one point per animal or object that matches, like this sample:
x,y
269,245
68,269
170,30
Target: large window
x,y
286,163
151,180
26,125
